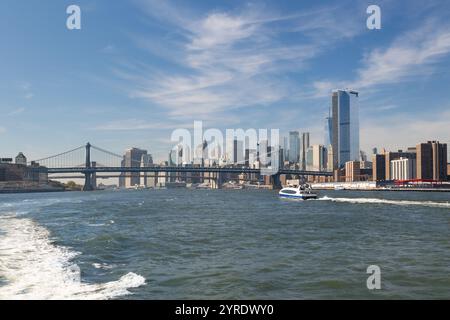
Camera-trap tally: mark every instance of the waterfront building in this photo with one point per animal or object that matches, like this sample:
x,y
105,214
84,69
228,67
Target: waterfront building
x,y
352,171
432,161
294,146
21,159
345,127
10,172
389,156
379,167
403,169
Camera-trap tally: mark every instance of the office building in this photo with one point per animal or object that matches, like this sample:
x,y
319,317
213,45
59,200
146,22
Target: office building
x,y
329,158
148,179
345,127
294,146
307,164
432,161
304,149
352,171
390,156
328,138
319,157
403,169
379,167
132,159
448,172
264,153
238,152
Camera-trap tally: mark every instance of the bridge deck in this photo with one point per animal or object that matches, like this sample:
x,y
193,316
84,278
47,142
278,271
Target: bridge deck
x,y
264,171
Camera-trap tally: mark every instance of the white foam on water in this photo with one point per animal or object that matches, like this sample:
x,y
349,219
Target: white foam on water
x,y
32,267
103,266
23,207
386,201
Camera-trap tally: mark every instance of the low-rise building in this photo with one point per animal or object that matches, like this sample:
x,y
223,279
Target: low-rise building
x,y
403,169
352,171
21,159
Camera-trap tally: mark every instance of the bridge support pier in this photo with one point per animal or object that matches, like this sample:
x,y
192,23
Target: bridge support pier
x,y
88,182
276,181
87,174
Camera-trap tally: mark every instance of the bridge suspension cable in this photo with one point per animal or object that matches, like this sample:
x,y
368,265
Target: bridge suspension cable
x,y
70,158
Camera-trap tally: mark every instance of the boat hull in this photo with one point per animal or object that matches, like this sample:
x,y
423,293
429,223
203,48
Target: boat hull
x,y
300,197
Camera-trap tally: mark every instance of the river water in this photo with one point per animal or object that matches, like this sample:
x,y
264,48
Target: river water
x,y
218,244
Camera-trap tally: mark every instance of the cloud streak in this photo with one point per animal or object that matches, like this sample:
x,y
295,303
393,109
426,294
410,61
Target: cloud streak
x,y
230,60
409,57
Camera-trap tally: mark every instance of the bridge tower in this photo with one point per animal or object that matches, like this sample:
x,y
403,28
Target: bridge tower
x,y
87,173
276,181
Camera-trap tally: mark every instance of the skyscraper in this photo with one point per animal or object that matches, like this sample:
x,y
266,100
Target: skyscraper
x,y
238,152
264,153
328,138
319,154
345,127
133,158
305,146
294,146
146,178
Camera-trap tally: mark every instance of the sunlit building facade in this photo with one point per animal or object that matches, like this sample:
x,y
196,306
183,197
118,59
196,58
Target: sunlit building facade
x,y
345,127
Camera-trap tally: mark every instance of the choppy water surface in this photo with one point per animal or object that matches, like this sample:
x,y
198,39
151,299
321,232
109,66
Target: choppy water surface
x,y
216,244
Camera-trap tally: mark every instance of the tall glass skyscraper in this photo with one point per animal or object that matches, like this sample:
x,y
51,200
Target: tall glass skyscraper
x,y
345,124
294,146
328,138
305,146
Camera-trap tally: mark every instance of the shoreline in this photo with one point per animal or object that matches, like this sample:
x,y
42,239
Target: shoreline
x,y
30,191
22,191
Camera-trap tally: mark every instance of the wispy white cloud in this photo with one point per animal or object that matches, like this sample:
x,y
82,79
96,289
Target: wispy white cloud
x,y
411,56
230,60
408,57
135,124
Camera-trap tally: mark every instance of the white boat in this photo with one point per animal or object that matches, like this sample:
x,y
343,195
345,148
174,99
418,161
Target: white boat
x,y
303,192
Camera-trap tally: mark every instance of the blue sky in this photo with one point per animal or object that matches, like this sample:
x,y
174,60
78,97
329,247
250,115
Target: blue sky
x,y
139,69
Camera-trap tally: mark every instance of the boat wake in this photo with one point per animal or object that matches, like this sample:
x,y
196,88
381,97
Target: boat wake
x,y
32,267
389,202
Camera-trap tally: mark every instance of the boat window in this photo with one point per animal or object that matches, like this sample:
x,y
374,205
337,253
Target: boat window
x,y
289,191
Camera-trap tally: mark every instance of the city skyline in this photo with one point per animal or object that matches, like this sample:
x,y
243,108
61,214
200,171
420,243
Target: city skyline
x,y
137,71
